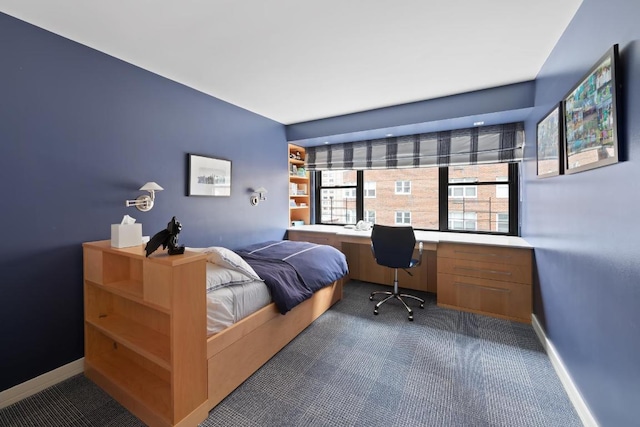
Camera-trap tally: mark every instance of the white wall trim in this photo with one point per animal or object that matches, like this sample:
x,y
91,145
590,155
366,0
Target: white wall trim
x,y
567,382
37,384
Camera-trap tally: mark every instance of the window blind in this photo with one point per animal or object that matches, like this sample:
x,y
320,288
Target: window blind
x,y
488,144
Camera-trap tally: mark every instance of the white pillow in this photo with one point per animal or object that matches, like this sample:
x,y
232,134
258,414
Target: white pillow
x,y
218,277
227,258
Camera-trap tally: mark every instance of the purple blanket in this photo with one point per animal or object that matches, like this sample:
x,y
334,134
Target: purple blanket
x,y
292,270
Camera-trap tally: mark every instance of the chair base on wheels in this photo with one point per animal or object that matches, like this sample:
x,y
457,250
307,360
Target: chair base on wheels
x,y
399,298
397,295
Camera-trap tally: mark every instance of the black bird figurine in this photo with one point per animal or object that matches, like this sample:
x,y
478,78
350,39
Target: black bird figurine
x,y
167,237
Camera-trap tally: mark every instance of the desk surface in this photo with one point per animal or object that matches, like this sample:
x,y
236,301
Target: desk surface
x,y
424,236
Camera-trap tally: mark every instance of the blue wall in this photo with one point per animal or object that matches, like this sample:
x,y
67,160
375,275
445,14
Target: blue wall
x,y
585,226
80,132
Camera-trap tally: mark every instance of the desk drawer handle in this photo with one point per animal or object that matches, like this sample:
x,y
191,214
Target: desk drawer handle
x,y
481,254
504,273
489,288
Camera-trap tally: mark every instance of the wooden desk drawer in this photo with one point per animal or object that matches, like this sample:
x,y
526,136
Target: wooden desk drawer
x,y
319,238
486,270
492,254
501,299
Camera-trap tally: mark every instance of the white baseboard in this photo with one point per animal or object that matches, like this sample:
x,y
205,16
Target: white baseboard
x,y
33,386
574,394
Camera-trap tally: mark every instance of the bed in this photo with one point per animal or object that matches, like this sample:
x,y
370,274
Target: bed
x,y
284,272
147,345
236,351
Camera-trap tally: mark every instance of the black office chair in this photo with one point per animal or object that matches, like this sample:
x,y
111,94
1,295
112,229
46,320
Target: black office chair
x,y
393,248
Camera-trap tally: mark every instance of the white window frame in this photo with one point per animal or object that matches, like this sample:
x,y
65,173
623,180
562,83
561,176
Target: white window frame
x,y
370,190
459,220
370,216
406,218
502,219
502,190
403,186
466,191
350,216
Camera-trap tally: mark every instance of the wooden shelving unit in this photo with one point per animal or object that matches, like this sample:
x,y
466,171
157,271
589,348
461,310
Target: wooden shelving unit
x,y
299,187
139,317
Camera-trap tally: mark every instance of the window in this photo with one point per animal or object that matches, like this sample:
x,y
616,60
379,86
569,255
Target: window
x,y
473,198
369,189
403,218
476,207
422,202
464,191
337,197
502,191
502,222
463,220
370,216
403,187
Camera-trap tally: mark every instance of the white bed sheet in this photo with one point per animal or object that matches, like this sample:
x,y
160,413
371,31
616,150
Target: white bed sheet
x,y
228,305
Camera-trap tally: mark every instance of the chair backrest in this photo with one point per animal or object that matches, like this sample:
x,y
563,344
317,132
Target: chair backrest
x,y
393,246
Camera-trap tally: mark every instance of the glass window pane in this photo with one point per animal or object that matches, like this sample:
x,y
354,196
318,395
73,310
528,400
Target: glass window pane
x,y
502,222
479,173
370,189
420,203
470,191
337,207
338,178
482,209
370,216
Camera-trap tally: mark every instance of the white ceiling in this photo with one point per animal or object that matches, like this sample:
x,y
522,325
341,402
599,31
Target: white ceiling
x,y
300,60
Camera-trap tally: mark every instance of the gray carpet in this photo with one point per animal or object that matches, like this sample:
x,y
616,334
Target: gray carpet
x,y
351,368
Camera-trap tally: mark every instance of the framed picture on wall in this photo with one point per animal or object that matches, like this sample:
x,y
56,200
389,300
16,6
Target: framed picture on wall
x,y
548,144
208,176
590,117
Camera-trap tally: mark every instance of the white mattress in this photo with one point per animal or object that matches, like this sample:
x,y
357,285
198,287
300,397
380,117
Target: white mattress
x,y
228,305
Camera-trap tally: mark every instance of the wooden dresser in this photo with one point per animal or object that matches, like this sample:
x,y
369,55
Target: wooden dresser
x,y
491,280
139,313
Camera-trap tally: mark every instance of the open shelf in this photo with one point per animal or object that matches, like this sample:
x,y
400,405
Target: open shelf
x,y
139,338
297,183
141,315
127,378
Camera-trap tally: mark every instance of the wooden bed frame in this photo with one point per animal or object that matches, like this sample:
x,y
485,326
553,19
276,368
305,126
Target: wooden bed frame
x,y
145,334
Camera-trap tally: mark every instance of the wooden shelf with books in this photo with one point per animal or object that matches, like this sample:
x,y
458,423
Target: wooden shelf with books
x,y
299,191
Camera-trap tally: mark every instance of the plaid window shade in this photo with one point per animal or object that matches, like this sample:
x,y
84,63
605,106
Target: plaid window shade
x,y
488,144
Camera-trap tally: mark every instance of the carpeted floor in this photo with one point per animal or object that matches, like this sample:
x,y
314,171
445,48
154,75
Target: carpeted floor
x,y
351,368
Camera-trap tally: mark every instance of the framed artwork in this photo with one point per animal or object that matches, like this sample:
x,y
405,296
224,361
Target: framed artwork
x,y
208,176
590,117
548,143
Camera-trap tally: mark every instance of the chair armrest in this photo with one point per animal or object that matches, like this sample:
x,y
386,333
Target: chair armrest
x,y
419,253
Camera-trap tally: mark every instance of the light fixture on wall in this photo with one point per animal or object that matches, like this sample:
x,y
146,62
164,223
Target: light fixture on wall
x,y
144,202
258,195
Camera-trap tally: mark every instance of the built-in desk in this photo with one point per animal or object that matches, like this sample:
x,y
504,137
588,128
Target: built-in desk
x,y
484,274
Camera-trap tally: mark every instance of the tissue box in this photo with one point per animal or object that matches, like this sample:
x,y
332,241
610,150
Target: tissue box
x,y
126,235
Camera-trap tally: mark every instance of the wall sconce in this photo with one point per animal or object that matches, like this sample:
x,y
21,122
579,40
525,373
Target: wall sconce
x,y
258,195
145,201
